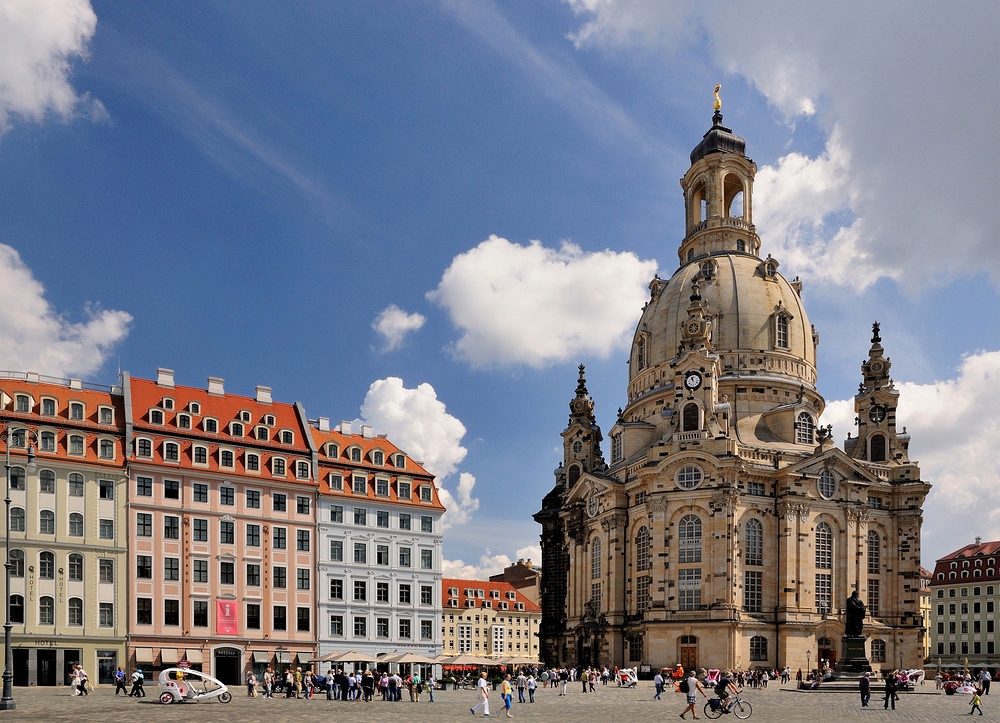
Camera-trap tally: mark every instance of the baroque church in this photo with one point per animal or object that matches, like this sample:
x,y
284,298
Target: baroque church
x,y
727,529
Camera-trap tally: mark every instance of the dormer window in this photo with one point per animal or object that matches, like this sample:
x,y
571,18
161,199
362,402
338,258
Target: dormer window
x,y
804,428
277,467
49,407
253,462
107,415
355,454
511,595
184,421
23,403
771,269
400,461
287,436
336,482
488,604
302,469
155,416
495,594
236,429
269,420
211,425
470,603
262,433
171,452
167,403
194,408
377,458
244,416
75,410
332,450
640,353
226,458
708,270
144,447
616,448
781,332
425,493
954,566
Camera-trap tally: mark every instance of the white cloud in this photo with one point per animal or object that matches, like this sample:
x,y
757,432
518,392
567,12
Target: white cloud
x,y
394,324
36,338
418,422
489,564
537,306
39,40
910,161
531,552
955,434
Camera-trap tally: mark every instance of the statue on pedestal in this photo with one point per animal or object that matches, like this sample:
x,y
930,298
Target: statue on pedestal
x,y
855,616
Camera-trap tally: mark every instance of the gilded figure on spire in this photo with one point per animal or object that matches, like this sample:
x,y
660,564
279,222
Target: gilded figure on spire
x,y
718,101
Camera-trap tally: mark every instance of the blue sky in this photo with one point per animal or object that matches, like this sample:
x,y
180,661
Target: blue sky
x,y
239,189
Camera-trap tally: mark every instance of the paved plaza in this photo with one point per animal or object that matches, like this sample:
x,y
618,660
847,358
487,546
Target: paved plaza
x,y
608,703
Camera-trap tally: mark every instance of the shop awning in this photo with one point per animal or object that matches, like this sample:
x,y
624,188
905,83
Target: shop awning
x,y
304,657
193,656
144,655
261,656
284,657
168,656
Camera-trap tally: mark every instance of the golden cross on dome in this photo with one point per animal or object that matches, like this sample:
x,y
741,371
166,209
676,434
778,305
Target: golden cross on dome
x,y
718,101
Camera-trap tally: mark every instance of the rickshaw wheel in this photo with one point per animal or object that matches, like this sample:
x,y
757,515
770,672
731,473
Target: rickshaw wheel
x,y
166,698
226,696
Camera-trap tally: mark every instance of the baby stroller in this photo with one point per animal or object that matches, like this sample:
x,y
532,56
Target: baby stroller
x,y
628,678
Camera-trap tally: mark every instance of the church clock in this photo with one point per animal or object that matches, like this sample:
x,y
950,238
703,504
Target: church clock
x,y
692,380
876,414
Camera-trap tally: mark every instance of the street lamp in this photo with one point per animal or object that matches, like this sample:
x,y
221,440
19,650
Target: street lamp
x,y
7,700
808,667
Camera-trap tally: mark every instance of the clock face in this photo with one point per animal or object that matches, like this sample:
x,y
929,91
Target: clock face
x,y
578,405
875,367
692,380
694,327
876,414
593,505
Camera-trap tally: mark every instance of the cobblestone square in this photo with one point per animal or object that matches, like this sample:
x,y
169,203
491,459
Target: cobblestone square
x,y
608,703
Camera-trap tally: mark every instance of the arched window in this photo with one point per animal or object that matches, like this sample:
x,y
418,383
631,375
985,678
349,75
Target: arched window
x,y
690,254
824,546
753,543
758,648
736,205
689,477
781,331
75,484
640,353
804,427
595,559
46,611
76,567
573,475
741,246
47,522
76,524
75,611
17,519
827,484
17,478
377,458
46,566
878,448
617,448
17,563
17,609
690,418
878,651
47,481
689,539
642,549
874,553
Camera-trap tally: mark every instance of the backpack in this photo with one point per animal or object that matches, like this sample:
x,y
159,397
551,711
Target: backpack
x,y
685,686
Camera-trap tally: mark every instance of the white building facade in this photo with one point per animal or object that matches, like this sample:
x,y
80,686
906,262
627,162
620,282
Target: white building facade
x,y
379,553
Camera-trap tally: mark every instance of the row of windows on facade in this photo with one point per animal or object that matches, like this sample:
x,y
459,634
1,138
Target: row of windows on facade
x,y
381,487
990,571
227,532
227,573
498,640
404,627
977,626
171,490
404,592
75,443
977,648
758,647
226,458
200,617
976,591
689,536
74,566
47,524
25,404
47,483
501,604
404,520
182,420
74,612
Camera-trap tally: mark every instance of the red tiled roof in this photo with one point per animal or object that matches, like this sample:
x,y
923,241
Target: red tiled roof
x,y
61,423
969,560
487,587
343,465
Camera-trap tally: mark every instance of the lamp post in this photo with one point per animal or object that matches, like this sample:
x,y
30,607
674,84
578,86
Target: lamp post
x,y
808,667
7,700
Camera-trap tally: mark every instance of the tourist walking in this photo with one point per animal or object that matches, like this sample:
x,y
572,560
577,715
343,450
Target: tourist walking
x,y
658,684
522,683
563,675
691,687
138,679
977,703
531,685
507,693
430,688
268,683
484,696
984,681
865,686
251,684
83,680
890,691
120,681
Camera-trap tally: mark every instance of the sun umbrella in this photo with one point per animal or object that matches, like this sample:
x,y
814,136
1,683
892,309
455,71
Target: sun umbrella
x,y
414,658
466,659
353,656
444,659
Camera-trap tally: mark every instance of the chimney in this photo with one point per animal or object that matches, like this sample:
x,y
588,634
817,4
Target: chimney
x,y
323,423
75,384
215,387
263,395
979,540
368,431
165,378
346,428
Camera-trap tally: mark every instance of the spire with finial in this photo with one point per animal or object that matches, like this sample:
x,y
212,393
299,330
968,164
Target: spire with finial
x,y
581,385
876,339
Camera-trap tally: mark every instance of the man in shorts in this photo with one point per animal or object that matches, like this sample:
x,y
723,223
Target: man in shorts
x,y
693,688
724,687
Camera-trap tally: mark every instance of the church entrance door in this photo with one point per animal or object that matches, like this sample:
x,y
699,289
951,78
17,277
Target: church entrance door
x,y
827,651
689,656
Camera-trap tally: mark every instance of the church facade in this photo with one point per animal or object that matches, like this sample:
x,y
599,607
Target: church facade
x,y
727,529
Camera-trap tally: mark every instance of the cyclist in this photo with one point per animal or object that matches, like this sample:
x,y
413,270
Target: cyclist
x,y
724,687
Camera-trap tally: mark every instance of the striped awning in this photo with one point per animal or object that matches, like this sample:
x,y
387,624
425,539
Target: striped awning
x,y
261,656
193,656
144,655
168,656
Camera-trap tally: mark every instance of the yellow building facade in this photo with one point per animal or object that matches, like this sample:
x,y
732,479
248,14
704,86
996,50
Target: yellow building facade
x,y
488,618
68,527
727,529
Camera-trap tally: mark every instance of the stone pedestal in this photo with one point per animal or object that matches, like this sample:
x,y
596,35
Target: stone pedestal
x,y
853,658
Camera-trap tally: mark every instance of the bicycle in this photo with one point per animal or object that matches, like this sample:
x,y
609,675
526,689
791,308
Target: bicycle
x,y
715,708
